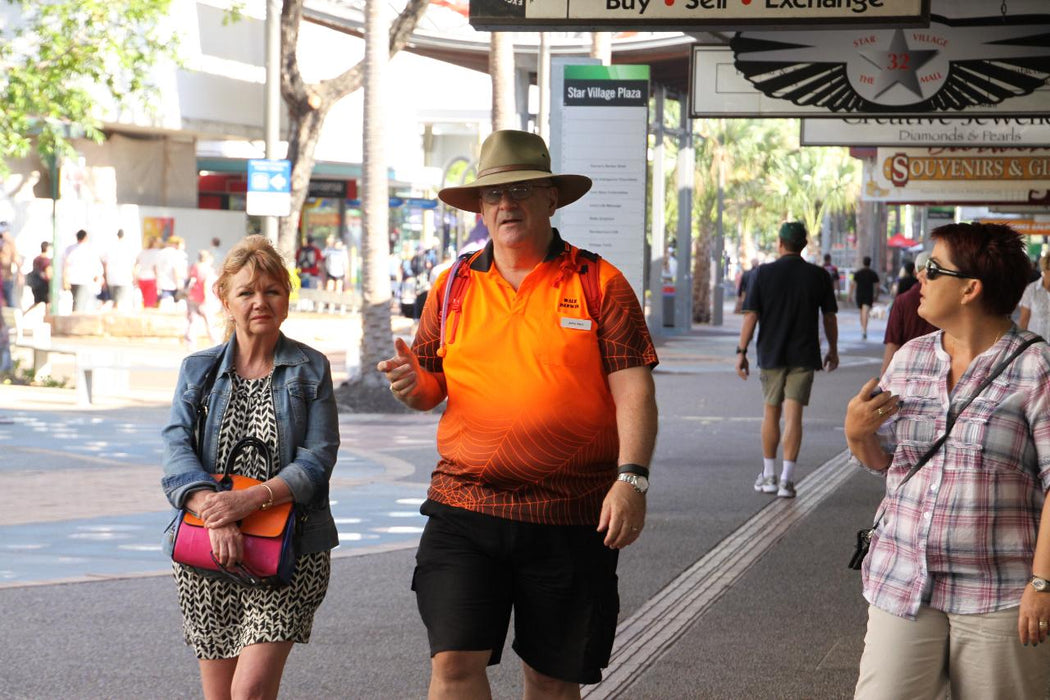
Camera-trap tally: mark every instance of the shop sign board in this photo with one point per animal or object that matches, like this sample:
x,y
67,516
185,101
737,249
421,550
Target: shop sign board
x,y
602,132
957,174
269,188
634,15
962,65
1026,227
927,131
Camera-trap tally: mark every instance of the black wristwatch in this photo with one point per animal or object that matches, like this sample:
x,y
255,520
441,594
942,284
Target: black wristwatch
x,y
741,351
637,469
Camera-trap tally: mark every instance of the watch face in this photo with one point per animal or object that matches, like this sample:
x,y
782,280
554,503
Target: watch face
x,y
1040,584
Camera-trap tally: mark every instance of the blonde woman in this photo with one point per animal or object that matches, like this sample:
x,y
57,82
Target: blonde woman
x,y
280,391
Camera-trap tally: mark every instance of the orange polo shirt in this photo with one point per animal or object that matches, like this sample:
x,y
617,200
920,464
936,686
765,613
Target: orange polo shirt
x,y
529,432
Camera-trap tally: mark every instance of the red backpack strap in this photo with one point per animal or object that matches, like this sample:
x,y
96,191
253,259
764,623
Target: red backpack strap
x,y
455,289
591,281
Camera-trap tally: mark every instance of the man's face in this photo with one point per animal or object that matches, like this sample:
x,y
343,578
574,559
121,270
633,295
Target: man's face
x,y
519,213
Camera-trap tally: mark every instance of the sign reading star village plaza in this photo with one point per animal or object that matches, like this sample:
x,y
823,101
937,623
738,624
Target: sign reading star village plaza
x,y
631,15
971,60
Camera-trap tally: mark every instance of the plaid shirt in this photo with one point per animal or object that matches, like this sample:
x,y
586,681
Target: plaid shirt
x,y
960,535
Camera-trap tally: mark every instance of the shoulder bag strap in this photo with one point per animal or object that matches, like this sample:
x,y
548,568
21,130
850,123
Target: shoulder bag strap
x,y
202,407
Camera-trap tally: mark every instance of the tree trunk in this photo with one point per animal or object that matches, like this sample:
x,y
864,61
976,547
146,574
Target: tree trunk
x,y
369,388
309,104
702,278
501,70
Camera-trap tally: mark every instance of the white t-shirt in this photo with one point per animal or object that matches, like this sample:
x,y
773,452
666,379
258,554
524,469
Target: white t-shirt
x,y
120,261
1037,300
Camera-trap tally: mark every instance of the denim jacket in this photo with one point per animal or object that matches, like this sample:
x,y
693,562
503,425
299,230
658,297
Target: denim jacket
x,y
307,432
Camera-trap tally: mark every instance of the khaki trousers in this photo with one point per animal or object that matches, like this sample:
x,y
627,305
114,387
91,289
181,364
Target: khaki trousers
x,y
979,657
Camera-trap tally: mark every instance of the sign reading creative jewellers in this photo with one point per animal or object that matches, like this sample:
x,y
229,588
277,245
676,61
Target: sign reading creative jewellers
x,y
628,15
970,61
602,132
957,174
927,131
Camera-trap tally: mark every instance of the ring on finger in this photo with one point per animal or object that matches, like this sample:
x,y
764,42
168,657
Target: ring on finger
x,y
881,410
1043,624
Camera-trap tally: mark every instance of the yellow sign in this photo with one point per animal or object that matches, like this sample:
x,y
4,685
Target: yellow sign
x,y
1027,227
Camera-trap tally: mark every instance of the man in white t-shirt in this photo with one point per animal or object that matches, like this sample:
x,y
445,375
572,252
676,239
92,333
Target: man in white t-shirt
x,y
1035,302
119,264
82,273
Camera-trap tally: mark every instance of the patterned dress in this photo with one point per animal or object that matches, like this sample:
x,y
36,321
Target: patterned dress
x,y
220,617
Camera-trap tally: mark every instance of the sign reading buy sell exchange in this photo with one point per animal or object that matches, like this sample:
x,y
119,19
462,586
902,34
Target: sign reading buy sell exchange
x,y
632,15
963,64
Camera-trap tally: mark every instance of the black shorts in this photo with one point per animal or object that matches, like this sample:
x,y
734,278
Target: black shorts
x,y
472,569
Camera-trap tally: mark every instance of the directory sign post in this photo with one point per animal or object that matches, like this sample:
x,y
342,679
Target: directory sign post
x,y
269,188
602,132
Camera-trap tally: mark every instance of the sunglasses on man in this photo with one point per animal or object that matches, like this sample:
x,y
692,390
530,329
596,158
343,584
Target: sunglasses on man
x,y
518,192
933,271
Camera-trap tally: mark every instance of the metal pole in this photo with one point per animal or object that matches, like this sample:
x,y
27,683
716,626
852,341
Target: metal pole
x,y
272,113
717,252
683,306
55,269
656,219
543,84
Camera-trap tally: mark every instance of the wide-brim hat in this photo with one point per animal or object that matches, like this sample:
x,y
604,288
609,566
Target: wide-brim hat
x,y
514,156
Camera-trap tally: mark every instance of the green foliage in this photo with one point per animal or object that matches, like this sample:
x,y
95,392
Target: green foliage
x,y
767,178
57,57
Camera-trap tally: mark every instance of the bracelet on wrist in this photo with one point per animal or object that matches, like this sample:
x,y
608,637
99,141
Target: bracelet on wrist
x,y
269,503
741,351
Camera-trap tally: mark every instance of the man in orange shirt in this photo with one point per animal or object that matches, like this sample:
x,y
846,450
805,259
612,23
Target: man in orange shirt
x,y
545,442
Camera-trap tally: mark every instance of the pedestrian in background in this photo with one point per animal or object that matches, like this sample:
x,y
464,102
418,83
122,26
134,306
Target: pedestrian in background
x,y
82,273
545,442
10,266
906,279
958,573
39,278
784,300
1035,302
865,293
280,391
146,272
308,261
833,273
904,322
336,264
201,300
171,266
119,265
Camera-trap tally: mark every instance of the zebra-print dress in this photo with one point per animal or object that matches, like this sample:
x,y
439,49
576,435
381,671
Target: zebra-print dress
x,y
219,617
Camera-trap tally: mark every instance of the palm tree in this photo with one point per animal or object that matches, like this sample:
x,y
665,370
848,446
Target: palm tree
x,y
501,70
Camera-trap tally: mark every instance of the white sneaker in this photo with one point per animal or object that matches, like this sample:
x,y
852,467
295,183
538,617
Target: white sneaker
x,y
766,484
786,490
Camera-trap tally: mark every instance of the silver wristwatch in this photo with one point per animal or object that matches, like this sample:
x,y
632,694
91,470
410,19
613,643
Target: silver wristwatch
x,y
639,483
1040,584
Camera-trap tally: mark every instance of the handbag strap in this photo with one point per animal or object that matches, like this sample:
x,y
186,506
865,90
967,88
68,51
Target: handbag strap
x,y
243,444
953,416
202,406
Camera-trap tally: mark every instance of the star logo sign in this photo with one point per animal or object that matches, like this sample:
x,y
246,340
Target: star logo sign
x,y
898,65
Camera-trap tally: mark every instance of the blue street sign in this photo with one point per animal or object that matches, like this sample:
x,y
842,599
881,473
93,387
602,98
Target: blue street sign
x,y
269,188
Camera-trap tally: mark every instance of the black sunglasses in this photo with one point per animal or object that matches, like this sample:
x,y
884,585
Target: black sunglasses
x,y
933,271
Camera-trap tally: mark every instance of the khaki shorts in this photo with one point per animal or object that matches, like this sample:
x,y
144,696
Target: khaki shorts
x,y
782,383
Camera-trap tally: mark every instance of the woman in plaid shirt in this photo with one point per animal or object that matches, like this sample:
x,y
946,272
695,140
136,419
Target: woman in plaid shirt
x,y
957,575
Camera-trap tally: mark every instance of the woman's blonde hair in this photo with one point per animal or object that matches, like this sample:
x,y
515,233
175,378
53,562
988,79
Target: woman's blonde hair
x,y
258,254
1044,262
